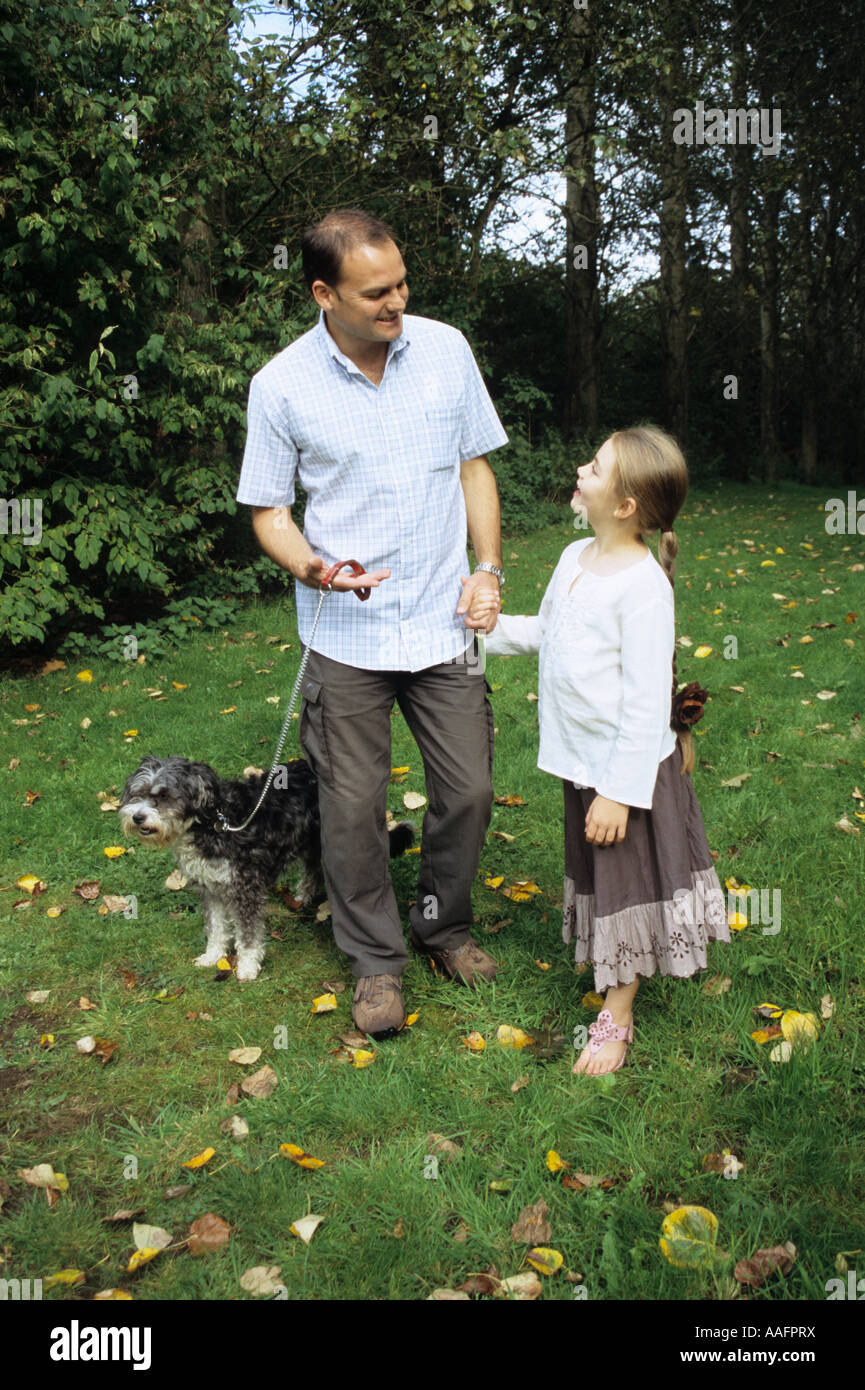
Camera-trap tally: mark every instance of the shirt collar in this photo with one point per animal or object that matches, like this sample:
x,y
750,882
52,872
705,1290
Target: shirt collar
x,y
330,346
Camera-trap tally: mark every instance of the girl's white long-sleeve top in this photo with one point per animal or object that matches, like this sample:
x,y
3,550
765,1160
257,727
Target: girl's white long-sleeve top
x,y
605,679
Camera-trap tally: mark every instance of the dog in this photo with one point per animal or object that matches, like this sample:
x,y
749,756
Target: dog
x,y
173,804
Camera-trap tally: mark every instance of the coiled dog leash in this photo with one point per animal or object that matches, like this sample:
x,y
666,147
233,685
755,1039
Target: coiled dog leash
x,y
326,588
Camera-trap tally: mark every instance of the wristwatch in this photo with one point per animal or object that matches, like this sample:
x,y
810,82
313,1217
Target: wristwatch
x,y
490,568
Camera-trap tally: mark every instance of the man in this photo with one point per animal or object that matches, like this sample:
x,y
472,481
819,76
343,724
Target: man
x,y
385,419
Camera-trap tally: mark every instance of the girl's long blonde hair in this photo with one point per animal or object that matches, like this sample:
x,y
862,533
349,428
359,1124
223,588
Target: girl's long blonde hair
x,y
650,467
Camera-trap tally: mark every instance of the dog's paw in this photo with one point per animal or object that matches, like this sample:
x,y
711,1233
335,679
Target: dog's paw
x,y
208,960
247,970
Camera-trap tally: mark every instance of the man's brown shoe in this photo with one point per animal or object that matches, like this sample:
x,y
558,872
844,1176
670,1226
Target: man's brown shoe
x,y
464,963
377,1008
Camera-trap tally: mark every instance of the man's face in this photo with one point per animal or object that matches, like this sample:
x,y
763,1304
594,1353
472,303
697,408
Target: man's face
x,y
368,301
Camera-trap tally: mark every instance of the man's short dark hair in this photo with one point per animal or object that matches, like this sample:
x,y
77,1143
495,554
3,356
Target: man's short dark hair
x,y
325,243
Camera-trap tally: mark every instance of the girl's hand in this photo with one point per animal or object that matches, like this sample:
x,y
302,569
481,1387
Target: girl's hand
x,y
606,821
480,602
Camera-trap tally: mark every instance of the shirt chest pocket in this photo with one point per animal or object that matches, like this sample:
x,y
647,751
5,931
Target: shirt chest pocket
x,y
441,433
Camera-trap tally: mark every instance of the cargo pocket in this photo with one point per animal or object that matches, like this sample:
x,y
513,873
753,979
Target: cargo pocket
x,y
313,738
490,725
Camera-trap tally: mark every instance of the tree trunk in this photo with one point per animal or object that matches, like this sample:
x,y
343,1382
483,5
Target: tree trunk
x,y
770,205
673,229
582,307
809,438
739,447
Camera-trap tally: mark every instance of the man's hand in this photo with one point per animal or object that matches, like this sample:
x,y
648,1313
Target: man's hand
x,y
606,821
480,600
316,568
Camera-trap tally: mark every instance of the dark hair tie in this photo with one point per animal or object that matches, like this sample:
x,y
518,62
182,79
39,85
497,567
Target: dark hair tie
x,y
688,707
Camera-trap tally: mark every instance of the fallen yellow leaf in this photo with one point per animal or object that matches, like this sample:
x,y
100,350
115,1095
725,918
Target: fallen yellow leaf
x,y
300,1157
200,1159
324,1004
31,884
64,1276
141,1257
506,1036
688,1237
545,1260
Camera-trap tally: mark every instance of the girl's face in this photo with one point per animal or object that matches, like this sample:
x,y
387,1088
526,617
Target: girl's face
x,y
594,493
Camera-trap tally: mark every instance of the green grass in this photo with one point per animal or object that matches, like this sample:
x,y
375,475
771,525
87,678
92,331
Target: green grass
x,y
696,1082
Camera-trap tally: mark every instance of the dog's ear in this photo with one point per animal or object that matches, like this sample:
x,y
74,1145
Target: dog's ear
x,y
202,786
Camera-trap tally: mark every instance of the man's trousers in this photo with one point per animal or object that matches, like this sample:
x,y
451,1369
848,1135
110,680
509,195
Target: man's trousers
x,y
346,738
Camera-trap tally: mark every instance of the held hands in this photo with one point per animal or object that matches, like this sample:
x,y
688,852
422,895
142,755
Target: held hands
x,y
480,600
316,569
606,821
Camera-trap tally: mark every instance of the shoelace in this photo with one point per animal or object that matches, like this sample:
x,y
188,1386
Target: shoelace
x,y
371,985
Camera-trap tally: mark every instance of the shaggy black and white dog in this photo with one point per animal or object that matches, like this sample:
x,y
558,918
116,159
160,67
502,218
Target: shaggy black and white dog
x,y
172,803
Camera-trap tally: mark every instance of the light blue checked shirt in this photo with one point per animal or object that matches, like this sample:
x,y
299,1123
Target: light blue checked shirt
x,y
381,469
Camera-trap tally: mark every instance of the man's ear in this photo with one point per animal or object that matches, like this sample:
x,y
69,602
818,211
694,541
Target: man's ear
x,y
323,294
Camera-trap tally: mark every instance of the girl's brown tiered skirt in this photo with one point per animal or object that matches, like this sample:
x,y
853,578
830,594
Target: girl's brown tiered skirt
x,y
651,902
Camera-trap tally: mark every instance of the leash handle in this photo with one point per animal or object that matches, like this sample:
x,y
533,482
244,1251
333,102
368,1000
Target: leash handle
x,y
356,569
326,588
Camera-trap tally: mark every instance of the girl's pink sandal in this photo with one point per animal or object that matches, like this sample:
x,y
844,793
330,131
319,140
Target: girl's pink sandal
x,y
605,1030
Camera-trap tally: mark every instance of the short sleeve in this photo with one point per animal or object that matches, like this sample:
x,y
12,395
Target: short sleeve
x,y
481,429
270,458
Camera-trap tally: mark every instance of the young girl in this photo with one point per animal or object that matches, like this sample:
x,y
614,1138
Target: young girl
x,y
640,894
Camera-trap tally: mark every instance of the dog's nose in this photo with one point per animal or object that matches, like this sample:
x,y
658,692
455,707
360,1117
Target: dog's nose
x,y
139,818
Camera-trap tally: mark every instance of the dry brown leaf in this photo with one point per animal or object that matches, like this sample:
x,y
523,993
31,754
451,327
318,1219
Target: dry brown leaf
x,y
208,1233
531,1226
89,891
260,1084
235,1127
125,1214
244,1056
438,1144
580,1181
725,1163
717,984
261,1280
85,1003
764,1262
114,902
522,1287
